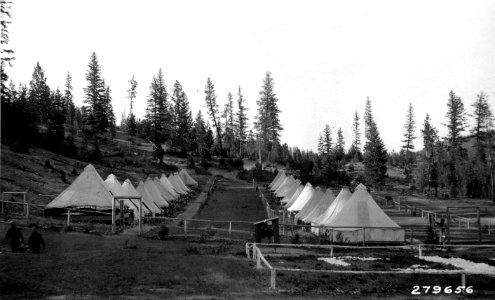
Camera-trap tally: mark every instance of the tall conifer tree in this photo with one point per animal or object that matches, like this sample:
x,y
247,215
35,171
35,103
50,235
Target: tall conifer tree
x,y
212,108
241,121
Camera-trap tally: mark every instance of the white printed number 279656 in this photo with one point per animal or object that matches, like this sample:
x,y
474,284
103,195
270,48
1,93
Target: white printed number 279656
x,y
436,289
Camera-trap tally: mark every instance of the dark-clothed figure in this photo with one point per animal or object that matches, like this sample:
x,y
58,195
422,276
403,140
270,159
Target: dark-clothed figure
x,y
35,240
15,236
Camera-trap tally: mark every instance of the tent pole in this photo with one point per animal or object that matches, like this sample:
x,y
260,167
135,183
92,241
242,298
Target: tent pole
x,y
479,224
113,214
364,236
140,215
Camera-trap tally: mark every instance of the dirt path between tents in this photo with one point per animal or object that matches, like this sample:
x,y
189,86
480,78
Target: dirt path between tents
x,y
232,200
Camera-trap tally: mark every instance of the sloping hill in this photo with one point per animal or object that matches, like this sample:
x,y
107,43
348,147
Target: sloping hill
x,y
42,172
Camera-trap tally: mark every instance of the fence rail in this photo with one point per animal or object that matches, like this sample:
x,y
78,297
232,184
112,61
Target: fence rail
x,y
253,252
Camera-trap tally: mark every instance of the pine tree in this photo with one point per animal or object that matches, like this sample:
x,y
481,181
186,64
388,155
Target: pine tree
x,y
368,118
181,119
320,145
157,114
57,113
455,125
375,154
131,94
268,121
97,116
39,94
6,55
408,145
228,115
456,120
340,146
69,103
430,139
327,140
212,108
109,112
200,133
356,144
241,121
482,116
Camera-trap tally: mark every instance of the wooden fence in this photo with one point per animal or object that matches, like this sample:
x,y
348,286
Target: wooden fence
x,y
253,252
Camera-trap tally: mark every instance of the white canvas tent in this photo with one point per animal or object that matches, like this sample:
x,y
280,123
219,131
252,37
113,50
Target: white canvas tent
x,y
88,189
176,185
361,210
286,187
310,204
188,180
117,190
150,186
278,183
166,183
148,199
288,202
130,190
305,195
333,209
163,191
280,173
321,207
181,183
292,191
286,181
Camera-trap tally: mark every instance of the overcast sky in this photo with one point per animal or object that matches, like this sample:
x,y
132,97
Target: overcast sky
x,y
326,57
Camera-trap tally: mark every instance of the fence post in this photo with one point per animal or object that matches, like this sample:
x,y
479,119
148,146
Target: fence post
x,y
364,237
27,210
113,215
25,207
68,217
273,279
185,227
283,222
331,250
479,224
463,279
230,230
420,252
258,259
411,236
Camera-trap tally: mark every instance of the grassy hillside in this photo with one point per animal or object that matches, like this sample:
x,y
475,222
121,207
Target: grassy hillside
x,y
42,172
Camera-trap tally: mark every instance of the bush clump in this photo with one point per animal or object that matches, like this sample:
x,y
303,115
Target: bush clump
x,y
163,232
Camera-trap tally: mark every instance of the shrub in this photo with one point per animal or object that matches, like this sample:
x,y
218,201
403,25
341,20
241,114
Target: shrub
x,y
62,176
202,171
163,232
191,164
204,163
431,236
192,250
296,239
48,164
168,167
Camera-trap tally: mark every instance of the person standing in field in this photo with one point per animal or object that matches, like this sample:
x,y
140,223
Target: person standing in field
x,y
15,236
35,240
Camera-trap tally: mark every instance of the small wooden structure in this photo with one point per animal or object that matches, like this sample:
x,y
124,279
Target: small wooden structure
x,y
267,228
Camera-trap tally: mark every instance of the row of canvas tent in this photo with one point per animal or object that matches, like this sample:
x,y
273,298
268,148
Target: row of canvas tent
x,y
157,194
349,217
